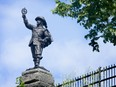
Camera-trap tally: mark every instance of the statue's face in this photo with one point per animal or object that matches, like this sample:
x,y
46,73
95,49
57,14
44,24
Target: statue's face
x,y
39,22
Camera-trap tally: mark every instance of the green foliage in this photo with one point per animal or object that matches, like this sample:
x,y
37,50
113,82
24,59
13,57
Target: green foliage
x,y
20,82
97,16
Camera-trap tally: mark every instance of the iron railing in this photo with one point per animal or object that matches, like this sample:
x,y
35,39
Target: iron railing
x,y
102,77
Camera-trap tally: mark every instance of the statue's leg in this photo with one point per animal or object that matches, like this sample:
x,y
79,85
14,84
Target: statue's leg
x,y
36,62
34,55
33,50
38,51
38,54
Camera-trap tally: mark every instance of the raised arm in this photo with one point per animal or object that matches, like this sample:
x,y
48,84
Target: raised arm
x,y
24,12
29,26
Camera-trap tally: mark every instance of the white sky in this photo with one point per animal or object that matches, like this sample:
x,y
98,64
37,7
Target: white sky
x,y
68,55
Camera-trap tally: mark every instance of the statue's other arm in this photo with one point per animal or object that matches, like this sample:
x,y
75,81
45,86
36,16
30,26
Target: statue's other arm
x,y
29,26
48,35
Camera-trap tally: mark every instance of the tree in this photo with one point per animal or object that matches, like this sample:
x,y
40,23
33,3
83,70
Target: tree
x,y
97,16
20,82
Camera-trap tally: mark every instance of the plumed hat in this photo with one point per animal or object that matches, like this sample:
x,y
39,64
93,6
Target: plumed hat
x,y
42,19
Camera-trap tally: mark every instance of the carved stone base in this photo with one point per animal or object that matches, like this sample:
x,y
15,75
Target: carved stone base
x,y
39,77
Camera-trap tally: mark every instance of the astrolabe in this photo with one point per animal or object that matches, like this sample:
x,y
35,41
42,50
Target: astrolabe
x,y
24,11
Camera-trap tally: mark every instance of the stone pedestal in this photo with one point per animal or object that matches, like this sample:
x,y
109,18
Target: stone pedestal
x,y
38,77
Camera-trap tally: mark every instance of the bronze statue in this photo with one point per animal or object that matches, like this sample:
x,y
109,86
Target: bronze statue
x,y
40,39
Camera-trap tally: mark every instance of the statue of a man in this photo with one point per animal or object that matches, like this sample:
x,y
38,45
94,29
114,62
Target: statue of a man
x,y
40,39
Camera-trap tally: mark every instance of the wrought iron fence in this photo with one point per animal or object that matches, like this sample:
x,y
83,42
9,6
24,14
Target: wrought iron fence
x,y
102,77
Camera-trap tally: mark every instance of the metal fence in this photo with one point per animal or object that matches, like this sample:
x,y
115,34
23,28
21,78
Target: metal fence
x,y
102,77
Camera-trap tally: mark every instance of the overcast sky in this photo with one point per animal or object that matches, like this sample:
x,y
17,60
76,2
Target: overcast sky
x,y
68,55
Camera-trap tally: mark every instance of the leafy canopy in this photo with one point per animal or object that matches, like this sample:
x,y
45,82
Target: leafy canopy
x,y
97,16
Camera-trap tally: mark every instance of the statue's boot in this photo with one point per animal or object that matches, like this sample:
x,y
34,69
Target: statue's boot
x,y
36,62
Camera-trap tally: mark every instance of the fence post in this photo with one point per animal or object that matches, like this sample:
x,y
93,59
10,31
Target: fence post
x,y
99,74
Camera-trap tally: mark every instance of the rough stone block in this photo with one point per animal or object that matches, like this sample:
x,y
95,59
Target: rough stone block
x,y
38,77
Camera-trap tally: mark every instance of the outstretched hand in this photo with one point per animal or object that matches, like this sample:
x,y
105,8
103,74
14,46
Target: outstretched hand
x,y
24,12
